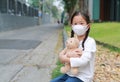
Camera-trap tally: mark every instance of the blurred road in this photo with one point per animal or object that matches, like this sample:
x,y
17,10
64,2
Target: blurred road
x,y
27,54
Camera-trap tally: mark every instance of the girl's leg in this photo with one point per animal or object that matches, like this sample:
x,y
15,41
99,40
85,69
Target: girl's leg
x,y
61,78
73,79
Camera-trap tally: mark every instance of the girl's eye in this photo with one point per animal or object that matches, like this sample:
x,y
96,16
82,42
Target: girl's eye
x,y
75,23
81,23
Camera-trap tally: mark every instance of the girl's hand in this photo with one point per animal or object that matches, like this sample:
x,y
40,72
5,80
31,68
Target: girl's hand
x,y
78,51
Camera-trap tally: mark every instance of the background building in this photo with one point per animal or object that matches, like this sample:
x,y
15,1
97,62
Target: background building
x,y
102,10
16,14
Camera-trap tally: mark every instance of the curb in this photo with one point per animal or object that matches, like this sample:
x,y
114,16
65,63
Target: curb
x,y
65,36
108,46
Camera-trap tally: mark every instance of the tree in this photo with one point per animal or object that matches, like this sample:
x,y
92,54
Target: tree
x,y
70,6
34,3
55,12
46,7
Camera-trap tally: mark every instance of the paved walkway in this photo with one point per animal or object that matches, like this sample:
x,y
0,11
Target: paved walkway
x,y
39,64
36,65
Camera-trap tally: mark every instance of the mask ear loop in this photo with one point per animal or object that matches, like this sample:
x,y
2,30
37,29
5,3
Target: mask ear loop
x,y
87,27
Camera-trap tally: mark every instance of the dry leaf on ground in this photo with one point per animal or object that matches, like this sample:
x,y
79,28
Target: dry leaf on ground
x,y
107,65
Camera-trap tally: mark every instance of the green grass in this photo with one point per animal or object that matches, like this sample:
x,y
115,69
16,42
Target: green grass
x,y
106,32
56,71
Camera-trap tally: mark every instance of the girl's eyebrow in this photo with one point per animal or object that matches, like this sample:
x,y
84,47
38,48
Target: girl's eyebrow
x,y
82,21
79,21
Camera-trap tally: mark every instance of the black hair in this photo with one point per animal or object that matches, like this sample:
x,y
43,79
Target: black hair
x,y
87,19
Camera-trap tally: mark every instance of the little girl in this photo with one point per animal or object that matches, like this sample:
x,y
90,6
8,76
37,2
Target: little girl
x,y
80,24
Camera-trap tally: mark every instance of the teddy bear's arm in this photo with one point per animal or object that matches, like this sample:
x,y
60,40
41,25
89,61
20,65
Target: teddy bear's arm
x,y
63,52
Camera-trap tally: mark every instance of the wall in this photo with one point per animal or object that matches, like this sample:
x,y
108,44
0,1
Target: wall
x,y
9,22
96,10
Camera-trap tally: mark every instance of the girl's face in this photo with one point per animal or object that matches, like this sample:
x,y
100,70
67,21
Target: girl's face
x,y
79,20
79,25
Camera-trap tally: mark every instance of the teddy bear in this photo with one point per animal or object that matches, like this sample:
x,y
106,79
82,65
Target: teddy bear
x,y
71,50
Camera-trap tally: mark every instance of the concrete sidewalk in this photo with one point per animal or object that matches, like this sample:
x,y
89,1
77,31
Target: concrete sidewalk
x,y
37,65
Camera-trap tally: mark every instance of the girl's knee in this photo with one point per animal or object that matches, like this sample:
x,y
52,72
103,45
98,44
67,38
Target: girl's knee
x,y
53,80
73,79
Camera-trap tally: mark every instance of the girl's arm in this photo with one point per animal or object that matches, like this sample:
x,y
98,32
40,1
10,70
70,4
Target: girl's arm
x,y
83,60
87,54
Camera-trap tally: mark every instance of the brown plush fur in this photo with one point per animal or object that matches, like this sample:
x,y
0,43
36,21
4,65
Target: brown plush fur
x,y
70,51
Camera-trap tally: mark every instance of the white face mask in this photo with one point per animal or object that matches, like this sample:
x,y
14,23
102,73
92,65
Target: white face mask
x,y
79,29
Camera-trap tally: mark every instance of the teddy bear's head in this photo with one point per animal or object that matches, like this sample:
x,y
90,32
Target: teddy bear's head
x,y
72,43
